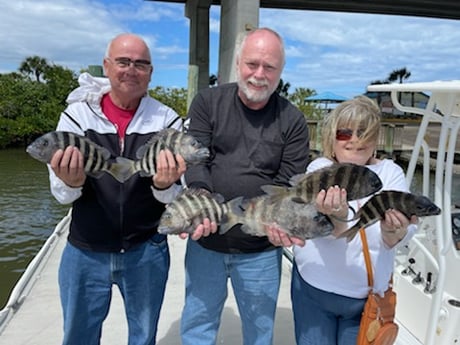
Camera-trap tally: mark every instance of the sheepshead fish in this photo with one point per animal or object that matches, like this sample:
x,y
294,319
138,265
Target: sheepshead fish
x,y
296,219
359,182
189,209
95,157
374,209
176,141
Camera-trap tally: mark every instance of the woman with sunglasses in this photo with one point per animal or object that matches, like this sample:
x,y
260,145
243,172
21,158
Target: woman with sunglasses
x,y
329,278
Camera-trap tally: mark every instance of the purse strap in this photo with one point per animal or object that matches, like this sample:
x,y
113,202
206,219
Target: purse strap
x,y
367,258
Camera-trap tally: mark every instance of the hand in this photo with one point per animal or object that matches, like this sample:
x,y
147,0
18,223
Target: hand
x,y
68,165
333,202
394,226
395,221
278,237
169,169
202,230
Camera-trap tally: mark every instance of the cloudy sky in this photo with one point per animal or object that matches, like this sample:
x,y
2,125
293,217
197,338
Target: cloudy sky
x,y
326,51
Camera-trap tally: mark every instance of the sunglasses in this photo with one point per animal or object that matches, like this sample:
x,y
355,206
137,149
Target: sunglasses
x,y
139,65
344,134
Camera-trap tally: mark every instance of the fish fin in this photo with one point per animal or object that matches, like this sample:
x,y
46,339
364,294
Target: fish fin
x,y
144,148
105,153
272,189
296,179
248,230
141,151
157,137
225,226
97,174
196,218
233,216
194,191
350,233
218,197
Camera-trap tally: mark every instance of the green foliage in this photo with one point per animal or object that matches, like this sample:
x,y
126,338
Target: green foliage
x,y
309,109
172,97
32,100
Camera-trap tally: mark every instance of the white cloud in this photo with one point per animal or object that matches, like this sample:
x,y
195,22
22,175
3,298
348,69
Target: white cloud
x,y
330,50
325,50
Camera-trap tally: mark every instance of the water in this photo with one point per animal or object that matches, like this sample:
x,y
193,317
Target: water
x,y
28,214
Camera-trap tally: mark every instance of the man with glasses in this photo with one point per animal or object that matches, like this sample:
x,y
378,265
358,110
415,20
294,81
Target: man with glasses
x,y
113,235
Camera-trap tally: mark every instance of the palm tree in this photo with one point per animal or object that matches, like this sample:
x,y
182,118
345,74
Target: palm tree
x,y
34,65
400,75
283,88
213,80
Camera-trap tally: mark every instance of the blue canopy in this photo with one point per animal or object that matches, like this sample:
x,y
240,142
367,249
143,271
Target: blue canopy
x,y
326,97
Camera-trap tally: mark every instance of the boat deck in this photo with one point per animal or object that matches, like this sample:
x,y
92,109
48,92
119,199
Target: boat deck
x,y
36,318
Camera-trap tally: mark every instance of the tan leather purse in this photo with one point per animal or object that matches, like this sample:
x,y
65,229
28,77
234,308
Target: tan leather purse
x,y
377,326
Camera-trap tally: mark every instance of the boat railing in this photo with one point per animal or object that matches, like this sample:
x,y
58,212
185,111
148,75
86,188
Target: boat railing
x,y
443,108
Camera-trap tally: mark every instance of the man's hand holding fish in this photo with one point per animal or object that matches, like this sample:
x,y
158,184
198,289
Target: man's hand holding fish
x,y
169,168
202,230
69,166
278,237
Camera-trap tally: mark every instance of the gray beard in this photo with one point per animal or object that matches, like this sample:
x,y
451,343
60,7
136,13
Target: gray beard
x,y
252,95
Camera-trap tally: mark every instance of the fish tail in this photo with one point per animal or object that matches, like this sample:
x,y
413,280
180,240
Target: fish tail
x,y
122,169
233,216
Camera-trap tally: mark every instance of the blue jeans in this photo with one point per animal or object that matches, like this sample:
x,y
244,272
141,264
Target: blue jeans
x,y
255,280
322,317
85,282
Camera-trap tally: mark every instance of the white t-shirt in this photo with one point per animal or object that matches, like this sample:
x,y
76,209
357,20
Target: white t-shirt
x,y
333,265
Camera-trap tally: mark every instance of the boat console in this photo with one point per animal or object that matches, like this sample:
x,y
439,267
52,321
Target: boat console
x,y
426,269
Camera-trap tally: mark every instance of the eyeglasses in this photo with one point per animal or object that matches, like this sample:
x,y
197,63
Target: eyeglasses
x,y
344,134
140,65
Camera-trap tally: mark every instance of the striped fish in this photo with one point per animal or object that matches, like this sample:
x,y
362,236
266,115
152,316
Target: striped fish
x,y
374,209
189,209
296,219
169,138
96,158
359,182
